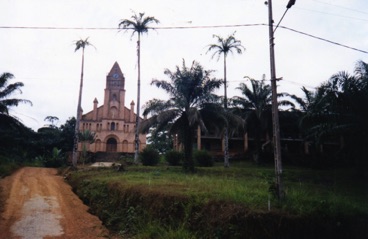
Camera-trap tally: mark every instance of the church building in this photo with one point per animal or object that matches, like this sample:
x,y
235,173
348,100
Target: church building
x,y
112,122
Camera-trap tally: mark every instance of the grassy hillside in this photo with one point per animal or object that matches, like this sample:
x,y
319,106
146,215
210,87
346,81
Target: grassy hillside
x,y
217,202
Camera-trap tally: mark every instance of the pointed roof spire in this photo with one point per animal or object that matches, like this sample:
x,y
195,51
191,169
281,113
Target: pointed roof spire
x,y
115,70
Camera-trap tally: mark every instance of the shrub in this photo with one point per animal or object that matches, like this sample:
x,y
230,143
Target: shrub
x,y
55,160
173,157
7,167
149,157
203,158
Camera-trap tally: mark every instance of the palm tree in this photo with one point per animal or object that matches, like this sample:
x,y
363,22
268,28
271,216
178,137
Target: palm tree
x,y
305,102
223,47
138,25
190,105
256,107
339,110
6,89
80,44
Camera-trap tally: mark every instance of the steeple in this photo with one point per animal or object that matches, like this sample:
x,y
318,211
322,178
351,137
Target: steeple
x,y
115,78
114,99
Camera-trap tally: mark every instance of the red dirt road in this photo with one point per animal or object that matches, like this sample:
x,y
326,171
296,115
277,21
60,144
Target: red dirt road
x,y
39,204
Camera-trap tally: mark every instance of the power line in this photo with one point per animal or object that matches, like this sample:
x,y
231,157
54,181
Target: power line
x,y
336,15
322,39
59,28
350,9
184,27
215,26
114,28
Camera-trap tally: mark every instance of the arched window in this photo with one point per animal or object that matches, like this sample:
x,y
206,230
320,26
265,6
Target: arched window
x,y
111,145
112,126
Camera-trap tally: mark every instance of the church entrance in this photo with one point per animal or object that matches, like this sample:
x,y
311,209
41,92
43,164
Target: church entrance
x,y
111,145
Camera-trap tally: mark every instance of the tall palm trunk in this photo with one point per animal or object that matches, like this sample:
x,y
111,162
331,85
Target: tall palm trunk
x,y
226,133
76,130
138,100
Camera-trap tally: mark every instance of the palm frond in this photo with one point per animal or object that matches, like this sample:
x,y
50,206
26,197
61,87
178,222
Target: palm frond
x,y
4,78
225,45
139,24
81,44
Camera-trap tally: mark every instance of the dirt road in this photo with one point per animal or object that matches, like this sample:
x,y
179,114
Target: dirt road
x,y
39,204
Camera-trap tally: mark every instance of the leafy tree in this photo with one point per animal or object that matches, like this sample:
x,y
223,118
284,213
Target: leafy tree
x,y
67,131
224,47
80,44
160,140
47,139
139,24
190,105
255,106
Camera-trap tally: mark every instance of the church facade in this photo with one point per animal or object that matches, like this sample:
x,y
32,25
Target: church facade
x,y
112,122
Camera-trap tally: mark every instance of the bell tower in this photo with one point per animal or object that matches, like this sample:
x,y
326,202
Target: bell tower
x,y
114,93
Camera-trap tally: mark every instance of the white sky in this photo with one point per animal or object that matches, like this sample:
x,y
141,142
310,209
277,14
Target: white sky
x,y
45,61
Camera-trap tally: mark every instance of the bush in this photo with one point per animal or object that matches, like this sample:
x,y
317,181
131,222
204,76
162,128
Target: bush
x,y
55,160
149,157
173,157
203,158
7,167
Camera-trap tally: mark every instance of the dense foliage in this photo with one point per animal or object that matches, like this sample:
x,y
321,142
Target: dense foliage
x,y
149,156
203,158
174,158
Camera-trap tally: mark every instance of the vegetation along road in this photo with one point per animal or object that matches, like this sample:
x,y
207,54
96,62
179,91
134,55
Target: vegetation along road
x,y
37,204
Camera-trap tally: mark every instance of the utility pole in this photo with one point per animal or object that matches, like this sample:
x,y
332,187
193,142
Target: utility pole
x,y
275,111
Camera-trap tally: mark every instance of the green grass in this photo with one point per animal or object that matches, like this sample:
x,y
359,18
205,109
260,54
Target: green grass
x,y
217,202
307,191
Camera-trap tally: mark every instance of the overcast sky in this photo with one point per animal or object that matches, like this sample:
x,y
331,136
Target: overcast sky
x,y
45,61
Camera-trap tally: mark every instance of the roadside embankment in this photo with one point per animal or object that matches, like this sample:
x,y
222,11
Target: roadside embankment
x,y
155,212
